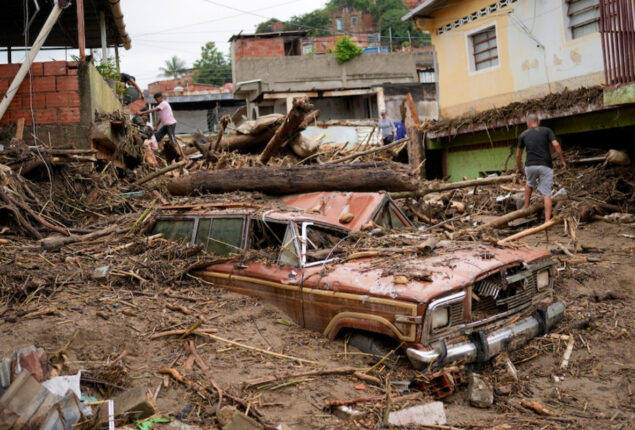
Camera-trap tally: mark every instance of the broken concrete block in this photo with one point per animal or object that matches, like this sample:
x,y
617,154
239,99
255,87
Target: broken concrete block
x,y
31,359
240,421
134,404
21,400
479,393
429,414
100,273
43,410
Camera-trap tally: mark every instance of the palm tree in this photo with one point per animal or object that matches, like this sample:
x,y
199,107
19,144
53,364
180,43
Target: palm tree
x,y
174,68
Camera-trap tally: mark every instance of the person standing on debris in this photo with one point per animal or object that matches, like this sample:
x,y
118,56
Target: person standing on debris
x,y
386,128
538,141
167,122
129,80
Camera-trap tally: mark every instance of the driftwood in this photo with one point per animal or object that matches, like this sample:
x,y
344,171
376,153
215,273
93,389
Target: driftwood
x,y
290,124
530,231
369,151
503,220
269,379
222,124
56,242
160,172
416,147
437,187
298,179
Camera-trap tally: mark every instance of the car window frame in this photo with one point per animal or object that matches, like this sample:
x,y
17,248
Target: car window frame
x,y
212,217
390,203
288,223
302,239
181,218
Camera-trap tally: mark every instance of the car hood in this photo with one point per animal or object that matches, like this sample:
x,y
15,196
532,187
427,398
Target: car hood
x,y
426,278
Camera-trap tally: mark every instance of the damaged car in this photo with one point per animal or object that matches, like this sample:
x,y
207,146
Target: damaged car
x,y
338,262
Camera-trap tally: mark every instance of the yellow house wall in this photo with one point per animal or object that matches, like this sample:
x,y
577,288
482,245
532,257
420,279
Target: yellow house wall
x,y
536,55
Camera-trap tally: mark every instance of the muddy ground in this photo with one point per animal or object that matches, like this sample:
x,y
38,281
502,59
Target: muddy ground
x,y
594,391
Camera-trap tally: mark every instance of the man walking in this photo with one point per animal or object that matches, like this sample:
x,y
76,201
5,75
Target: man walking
x,y
166,123
538,163
386,128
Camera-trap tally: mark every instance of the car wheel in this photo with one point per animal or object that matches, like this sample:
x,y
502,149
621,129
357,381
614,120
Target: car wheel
x,y
371,343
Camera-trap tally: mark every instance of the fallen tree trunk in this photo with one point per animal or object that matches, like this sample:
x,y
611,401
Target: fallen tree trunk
x,y
437,187
504,219
387,176
56,242
530,231
244,142
290,124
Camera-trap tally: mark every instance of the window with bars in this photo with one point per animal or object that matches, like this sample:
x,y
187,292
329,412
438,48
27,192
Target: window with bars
x,y
583,16
484,49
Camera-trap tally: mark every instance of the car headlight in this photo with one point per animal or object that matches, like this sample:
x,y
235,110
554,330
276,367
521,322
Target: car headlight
x,y
440,317
542,279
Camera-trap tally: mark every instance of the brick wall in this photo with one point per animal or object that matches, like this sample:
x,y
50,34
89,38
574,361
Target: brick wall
x,y
186,82
257,48
54,98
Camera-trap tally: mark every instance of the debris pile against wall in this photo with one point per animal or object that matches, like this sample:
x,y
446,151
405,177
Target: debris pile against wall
x,y
564,102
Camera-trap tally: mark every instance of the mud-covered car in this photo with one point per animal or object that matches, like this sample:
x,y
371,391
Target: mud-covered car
x,y
460,302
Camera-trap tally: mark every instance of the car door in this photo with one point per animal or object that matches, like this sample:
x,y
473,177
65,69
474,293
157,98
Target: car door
x,y
276,276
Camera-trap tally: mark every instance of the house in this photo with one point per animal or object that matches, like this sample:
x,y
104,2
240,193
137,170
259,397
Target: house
x,y
491,54
270,69
195,106
57,100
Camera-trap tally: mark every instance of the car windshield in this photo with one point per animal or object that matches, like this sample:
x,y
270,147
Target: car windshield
x,y
321,242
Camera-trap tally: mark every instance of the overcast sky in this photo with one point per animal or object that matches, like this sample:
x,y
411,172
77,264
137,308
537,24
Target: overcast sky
x,y
162,28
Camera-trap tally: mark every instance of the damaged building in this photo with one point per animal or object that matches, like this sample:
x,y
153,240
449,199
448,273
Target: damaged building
x,y
270,69
571,62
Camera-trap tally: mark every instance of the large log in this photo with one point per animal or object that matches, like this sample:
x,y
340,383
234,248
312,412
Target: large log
x,y
446,186
387,176
292,121
416,149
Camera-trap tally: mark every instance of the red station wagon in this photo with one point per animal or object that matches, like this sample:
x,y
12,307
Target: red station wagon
x,y
476,301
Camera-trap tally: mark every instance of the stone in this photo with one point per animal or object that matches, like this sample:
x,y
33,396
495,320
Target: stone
x,y
504,390
429,414
346,413
224,415
101,273
31,359
479,393
179,425
240,421
133,404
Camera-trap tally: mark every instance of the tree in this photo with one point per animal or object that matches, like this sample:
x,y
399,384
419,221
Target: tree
x,y
315,22
213,67
267,26
174,68
346,49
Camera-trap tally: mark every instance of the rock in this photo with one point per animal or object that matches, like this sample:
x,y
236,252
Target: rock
x,y
429,414
101,273
240,421
479,393
179,425
134,404
346,217
346,413
31,359
224,415
21,400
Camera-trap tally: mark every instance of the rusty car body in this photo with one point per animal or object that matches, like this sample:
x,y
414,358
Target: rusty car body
x,y
476,301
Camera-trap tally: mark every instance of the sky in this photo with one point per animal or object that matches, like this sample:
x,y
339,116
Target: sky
x,y
160,29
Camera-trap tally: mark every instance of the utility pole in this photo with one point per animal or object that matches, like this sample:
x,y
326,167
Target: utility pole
x,y
390,37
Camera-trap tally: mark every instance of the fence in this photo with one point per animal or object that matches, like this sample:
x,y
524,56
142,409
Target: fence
x,y
618,40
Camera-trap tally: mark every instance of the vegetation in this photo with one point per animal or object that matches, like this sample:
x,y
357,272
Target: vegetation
x,y
386,14
174,68
266,27
346,49
213,67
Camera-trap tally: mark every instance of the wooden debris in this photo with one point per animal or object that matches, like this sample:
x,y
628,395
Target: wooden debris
x,y
530,231
281,377
198,331
536,407
567,353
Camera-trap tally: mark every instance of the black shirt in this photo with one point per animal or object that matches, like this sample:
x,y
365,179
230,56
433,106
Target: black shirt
x,y
125,78
537,140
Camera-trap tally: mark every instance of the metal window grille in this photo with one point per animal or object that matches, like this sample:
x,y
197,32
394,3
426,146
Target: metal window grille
x,y
584,17
484,49
427,76
617,29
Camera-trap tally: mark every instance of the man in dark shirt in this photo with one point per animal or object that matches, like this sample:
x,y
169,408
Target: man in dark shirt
x,y
538,165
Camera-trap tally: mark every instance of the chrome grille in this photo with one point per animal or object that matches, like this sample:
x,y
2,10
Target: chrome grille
x,y
456,314
497,297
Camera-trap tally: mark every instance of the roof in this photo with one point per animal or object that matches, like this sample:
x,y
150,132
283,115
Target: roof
x,y
426,9
319,207
331,205
64,32
296,33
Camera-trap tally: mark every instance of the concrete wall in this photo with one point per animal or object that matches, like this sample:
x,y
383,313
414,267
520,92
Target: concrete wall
x,y
322,72
536,55
424,96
